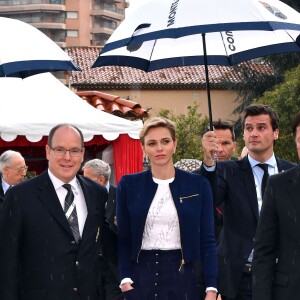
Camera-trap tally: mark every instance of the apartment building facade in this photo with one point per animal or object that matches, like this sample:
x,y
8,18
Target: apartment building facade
x,y
69,22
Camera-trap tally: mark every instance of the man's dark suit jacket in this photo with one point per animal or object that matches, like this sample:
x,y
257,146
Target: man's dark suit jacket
x,y
1,191
39,258
109,276
233,184
276,264
111,208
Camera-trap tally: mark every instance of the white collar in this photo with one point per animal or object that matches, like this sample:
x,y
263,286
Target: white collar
x,y
271,161
57,183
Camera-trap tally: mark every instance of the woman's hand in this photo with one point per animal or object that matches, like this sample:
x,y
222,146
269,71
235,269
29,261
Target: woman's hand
x,y
126,287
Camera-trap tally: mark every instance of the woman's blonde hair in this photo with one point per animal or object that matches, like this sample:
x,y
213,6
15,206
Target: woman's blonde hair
x,y
158,122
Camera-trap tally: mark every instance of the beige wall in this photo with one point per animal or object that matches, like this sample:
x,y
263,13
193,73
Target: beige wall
x,y
223,101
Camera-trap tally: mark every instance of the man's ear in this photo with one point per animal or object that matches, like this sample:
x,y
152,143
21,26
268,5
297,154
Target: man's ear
x,y
276,134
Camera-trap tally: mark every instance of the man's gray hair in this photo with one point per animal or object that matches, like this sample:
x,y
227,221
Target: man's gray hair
x,y
5,158
99,167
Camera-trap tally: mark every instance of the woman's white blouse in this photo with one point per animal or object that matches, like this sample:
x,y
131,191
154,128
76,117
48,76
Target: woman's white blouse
x,y
162,225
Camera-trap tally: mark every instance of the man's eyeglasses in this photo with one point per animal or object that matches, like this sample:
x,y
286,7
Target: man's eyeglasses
x,y
20,170
75,152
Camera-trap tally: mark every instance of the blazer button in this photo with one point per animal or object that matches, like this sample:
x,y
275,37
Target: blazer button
x,y
77,263
73,243
75,290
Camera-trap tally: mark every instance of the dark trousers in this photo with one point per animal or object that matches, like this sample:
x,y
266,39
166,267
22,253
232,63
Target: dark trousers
x,y
156,276
108,283
245,289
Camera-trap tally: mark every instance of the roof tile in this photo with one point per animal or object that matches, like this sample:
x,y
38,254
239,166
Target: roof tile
x,y
113,104
125,77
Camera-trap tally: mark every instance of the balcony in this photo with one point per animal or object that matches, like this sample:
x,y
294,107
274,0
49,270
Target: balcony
x,y
110,11
28,2
31,5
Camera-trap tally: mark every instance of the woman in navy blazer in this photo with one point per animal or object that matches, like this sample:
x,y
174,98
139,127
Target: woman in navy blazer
x,y
165,222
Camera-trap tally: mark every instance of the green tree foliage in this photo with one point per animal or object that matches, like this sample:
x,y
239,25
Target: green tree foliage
x,y
189,129
285,99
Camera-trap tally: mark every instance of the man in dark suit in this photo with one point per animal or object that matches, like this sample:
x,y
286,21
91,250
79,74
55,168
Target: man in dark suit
x,y
12,171
224,132
51,226
99,171
237,184
276,264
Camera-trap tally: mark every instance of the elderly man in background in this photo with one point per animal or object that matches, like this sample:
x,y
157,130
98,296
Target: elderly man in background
x,y
99,171
13,170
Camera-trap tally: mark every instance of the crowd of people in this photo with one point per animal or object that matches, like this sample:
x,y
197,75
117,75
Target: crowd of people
x,y
228,229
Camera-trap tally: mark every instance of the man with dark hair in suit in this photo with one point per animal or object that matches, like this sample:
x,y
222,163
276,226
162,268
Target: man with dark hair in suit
x,y
12,171
99,171
238,184
225,134
51,226
276,264
226,139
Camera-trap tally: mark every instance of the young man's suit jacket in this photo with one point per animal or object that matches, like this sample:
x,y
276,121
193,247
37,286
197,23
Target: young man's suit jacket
x,y
276,264
233,184
39,258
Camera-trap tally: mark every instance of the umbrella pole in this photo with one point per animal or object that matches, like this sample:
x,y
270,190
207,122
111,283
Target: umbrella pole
x,y
214,156
207,82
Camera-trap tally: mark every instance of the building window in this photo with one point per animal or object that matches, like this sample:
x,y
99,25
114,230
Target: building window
x,y
72,33
72,14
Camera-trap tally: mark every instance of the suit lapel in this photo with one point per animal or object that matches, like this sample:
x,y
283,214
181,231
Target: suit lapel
x,y
249,183
48,197
282,165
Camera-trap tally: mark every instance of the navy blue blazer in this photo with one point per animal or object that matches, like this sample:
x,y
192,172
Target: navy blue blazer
x,y
192,196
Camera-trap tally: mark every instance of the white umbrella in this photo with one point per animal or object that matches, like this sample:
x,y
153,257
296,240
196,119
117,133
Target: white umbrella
x,y
32,106
26,51
162,34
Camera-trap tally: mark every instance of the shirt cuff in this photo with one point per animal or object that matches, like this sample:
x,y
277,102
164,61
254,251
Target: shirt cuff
x,y
211,289
125,280
209,169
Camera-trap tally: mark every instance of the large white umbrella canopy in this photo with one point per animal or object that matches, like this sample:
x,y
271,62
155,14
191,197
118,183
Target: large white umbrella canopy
x,y
156,19
31,107
26,51
172,33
